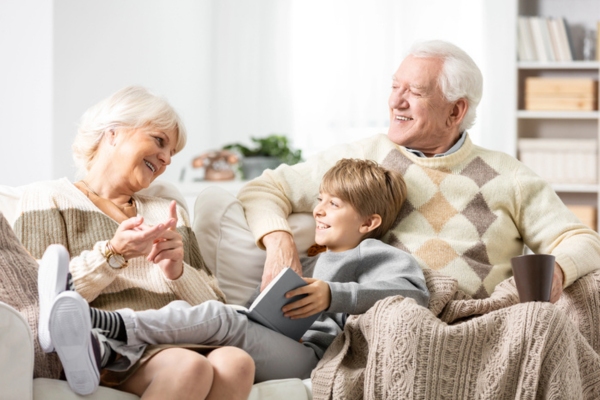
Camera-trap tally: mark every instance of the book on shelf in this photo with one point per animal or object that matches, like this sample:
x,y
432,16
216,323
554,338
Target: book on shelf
x,y
543,26
526,47
553,28
543,39
598,42
266,309
538,39
565,39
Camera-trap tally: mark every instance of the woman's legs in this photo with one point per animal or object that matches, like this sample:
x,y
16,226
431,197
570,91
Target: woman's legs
x,y
227,373
233,372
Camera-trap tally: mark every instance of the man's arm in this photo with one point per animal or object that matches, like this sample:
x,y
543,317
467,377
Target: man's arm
x,y
548,227
270,198
281,252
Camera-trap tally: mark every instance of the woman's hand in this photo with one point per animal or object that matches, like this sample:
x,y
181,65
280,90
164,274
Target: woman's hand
x,y
134,239
281,253
167,250
318,299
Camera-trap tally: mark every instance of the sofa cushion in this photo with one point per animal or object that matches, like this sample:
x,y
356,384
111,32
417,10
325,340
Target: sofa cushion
x,y
228,247
18,288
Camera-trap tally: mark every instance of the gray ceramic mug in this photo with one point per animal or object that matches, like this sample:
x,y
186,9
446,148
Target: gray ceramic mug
x,y
533,275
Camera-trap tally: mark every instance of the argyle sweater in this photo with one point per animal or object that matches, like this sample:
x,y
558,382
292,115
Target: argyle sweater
x,y
57,212
466,215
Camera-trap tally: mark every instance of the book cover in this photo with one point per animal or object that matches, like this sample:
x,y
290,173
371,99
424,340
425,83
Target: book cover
x,y
566,36
553,28
538,39
526,45
543,26
266,309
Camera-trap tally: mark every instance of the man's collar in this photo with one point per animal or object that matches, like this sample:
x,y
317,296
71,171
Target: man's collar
x,y
451,150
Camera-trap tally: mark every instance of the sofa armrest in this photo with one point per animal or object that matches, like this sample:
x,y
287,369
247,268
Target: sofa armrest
x,y
16,355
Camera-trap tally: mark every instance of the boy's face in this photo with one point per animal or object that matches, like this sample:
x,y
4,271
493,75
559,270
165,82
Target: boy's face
x,y
339,226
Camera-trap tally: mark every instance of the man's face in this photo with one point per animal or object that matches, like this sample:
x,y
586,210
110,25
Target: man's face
x,y
420,116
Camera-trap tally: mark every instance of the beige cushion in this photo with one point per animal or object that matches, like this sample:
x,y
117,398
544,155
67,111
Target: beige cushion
x,y
165,190
18,289
228,247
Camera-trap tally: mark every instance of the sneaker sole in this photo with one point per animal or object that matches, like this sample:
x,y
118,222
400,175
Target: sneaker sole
x,y
70,329
52,280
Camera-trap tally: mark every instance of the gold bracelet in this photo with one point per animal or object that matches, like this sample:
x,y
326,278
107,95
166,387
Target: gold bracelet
x,y
114,259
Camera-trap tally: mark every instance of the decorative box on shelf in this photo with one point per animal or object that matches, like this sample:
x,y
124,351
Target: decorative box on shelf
x,y
561,160
586,214
561,94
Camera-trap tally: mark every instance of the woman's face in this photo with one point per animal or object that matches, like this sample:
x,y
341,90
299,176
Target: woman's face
x,y
142,154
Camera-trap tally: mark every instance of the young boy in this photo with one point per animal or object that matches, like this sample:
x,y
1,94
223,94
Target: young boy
x,y
358,202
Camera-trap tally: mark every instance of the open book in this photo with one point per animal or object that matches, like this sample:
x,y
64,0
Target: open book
x,y
266,309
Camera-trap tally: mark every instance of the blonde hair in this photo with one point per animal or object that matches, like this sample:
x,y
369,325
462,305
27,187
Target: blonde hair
x,y
369,188
130,107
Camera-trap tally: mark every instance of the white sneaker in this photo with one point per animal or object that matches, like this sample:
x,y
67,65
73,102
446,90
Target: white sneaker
x,y
75,342
52,280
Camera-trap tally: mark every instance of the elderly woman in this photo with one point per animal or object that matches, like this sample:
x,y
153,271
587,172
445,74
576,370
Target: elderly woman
x,y
131,250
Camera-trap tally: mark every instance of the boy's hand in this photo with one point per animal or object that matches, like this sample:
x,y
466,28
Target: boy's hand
x,y
318,299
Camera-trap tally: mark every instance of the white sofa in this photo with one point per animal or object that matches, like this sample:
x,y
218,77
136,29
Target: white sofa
x,y
229,251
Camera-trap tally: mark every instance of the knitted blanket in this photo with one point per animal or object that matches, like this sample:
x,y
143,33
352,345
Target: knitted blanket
x,y
460,348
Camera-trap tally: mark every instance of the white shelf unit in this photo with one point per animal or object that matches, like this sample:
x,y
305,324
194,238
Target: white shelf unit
x,y
562,124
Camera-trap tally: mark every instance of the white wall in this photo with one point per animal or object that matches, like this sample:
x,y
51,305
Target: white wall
x,y
232,68
102,46
25,91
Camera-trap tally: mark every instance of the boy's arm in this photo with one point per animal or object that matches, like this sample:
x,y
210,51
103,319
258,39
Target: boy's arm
x,y
383,271
380,271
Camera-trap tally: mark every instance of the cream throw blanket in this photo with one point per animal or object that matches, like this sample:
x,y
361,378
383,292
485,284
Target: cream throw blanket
x,y
462,348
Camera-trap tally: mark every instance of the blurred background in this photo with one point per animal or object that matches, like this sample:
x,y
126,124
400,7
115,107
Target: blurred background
x,y
317,71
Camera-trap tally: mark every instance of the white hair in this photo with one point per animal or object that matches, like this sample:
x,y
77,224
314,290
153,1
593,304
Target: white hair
x,y
130,107
460,76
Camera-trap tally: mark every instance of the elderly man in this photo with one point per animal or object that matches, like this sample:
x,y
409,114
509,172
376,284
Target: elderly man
x,y
469,210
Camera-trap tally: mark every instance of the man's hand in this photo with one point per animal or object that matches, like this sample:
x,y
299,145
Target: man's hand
x,y
281,253
557,283
318,299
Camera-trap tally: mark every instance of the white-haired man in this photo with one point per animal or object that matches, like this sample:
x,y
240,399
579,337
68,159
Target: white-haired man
x,y
469,209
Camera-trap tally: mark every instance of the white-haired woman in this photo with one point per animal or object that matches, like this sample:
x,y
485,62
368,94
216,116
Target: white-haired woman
x,y
130,250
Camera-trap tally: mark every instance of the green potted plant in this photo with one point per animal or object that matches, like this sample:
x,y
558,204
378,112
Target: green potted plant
x,y
268,153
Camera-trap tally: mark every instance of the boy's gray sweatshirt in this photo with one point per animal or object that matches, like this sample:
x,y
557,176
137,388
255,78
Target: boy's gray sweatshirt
x,y
358,278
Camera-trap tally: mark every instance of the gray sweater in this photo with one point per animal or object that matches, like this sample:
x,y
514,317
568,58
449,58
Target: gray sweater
x,y
358,278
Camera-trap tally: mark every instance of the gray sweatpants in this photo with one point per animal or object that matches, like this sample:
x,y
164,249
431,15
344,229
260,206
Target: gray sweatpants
x,y
213,323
